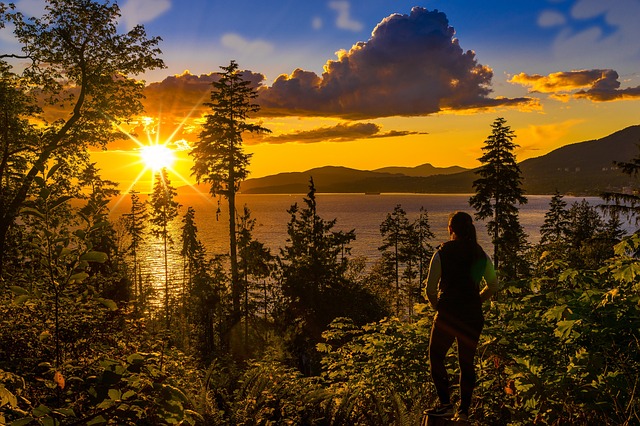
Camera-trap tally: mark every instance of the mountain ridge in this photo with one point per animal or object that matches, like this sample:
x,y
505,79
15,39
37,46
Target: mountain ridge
x,y
580,168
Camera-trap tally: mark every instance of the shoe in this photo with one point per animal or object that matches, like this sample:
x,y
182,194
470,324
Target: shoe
x,y
461,417
440,410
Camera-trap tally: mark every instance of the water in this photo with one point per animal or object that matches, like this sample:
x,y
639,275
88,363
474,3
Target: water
x,y
359,212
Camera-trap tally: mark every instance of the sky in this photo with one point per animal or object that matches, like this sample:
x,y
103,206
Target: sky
x,y
370,83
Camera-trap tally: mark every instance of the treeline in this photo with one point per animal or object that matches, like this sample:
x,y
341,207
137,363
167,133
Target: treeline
x,y
308,335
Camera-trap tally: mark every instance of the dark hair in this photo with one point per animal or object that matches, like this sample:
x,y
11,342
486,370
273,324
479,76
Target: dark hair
x,y
462,224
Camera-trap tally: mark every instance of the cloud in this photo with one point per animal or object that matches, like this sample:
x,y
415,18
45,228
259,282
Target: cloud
x,y
343,132
239,44
551,18
344,20
316,23
613,37
597,85
183,95
411,66
136,12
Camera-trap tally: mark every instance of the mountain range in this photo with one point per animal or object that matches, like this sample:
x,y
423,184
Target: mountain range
x,y
584,168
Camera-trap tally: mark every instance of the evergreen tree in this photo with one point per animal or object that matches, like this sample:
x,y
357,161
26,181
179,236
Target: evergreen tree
x,y
497,191
556,222
255,261
163,211
423,250
312,274
394,230
135,224
219,158
627,204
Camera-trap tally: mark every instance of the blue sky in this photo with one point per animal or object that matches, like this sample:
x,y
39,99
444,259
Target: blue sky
x,y
405,90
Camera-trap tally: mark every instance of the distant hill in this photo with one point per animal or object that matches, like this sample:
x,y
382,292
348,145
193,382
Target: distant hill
x,y
422,170
584,168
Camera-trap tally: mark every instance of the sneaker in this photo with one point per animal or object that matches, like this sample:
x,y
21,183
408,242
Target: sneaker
x,y
461,416
440,410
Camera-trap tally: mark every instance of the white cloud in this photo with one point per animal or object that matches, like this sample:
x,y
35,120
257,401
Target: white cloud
x,y
344,20
316,23
136,12
619,40
242,45
551,18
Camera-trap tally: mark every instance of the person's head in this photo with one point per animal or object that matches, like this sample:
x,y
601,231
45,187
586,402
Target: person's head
x,y
461,227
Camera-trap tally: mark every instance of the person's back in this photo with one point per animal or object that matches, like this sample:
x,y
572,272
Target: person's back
x,y
462,268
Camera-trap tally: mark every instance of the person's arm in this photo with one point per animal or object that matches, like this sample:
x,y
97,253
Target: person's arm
x,y
491,280
431,289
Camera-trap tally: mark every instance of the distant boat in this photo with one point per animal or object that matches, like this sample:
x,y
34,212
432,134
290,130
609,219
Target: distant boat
x,y
371,193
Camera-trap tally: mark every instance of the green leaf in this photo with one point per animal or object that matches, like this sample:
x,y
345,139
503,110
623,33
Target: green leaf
x,y
115,394
22,422
59,201
110,304
53,169
41,410
18,290
79,277
20,300
7,397
97,421
28,211
94,256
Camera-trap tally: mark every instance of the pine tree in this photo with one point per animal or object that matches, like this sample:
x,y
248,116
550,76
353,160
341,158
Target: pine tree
x,y
627,204
163,211
255,260
219,158
394,231
556,221
497,191
135,224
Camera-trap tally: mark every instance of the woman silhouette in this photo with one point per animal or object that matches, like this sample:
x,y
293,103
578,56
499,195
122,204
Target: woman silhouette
x,y
453,290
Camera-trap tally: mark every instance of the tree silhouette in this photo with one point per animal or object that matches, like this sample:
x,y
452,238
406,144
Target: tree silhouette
x,y
497,191
219,158
78,62
163,210
135,224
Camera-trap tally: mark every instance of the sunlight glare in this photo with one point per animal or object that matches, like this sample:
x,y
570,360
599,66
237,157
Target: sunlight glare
x,y
156,157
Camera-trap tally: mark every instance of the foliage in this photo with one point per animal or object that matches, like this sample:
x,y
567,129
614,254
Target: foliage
x,y
164,210
312,273
80,67
498,189
218,155
627,204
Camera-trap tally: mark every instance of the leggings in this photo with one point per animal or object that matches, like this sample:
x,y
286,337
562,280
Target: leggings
x,y
445,330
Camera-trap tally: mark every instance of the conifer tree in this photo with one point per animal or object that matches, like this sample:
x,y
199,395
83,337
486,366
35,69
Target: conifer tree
x,y
394,230
164,210
627,204
556,221
498,189
135,224
219,158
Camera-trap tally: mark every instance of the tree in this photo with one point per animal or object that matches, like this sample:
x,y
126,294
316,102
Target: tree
x,y
80,67
163,210
219,158
627,204
394,230
556,221
255,260
497,191
135,223
312,268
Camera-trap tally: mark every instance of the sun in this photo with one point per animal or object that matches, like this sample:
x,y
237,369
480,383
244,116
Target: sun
x,y
157,157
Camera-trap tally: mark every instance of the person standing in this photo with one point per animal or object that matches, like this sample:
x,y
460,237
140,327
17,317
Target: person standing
x,y
452,288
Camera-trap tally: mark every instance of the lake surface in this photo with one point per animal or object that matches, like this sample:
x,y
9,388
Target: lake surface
x,y
360,212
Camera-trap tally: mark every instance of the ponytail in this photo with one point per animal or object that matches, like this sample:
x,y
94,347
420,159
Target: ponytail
x,y
461,224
